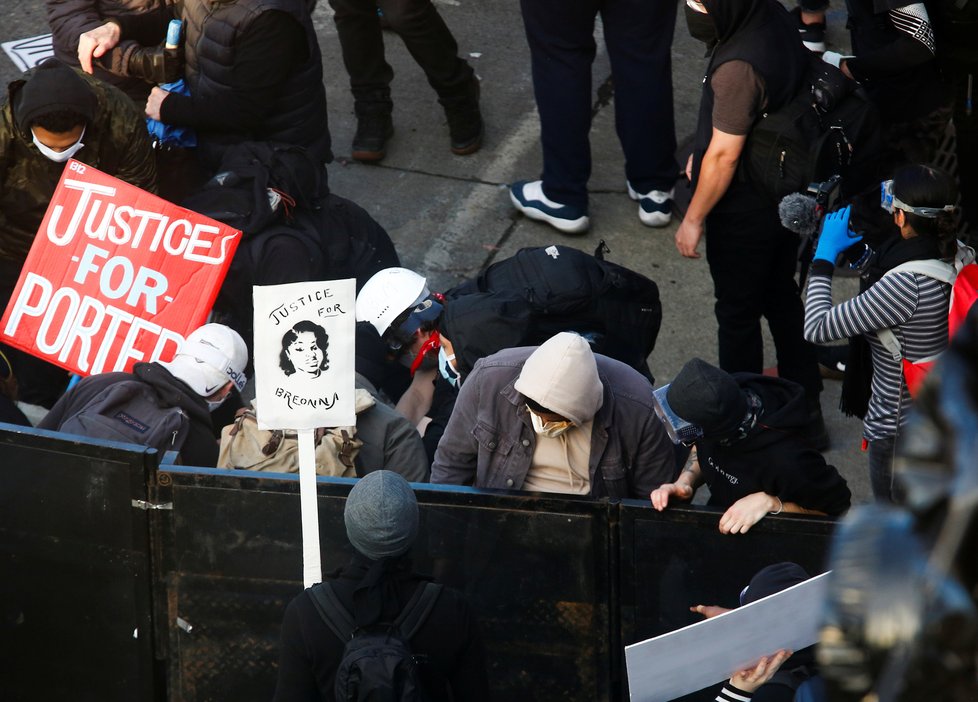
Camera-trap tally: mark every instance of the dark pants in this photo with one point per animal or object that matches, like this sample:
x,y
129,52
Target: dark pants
x,y
425,35
753,260
881,468
638,34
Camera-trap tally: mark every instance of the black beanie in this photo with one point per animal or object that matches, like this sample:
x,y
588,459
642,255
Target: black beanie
x,y
54,87
707,397
772,579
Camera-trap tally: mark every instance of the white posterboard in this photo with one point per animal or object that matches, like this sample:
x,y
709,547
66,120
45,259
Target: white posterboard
x,y
27,53
304,354
710,651
304,379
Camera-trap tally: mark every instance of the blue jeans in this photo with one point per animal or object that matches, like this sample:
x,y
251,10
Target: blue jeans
x,y
881,468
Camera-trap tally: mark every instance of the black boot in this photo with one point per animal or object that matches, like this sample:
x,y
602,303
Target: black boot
x,y
465,121
373,131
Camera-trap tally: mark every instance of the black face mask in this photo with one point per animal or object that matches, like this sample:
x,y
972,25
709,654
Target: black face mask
x,y
701,26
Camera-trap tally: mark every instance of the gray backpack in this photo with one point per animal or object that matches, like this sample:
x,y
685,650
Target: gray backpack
x,y
131,411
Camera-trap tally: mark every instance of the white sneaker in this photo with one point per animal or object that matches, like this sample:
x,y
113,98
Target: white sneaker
x,y
527,196
654,207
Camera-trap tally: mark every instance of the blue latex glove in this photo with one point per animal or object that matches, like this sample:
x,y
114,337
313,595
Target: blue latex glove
x,y
836,236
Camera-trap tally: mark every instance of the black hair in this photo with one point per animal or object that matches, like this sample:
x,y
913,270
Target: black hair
x,y
925,186
59,121
322,340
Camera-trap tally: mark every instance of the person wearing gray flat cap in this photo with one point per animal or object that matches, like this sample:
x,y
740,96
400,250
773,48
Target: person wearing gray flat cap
x,y
375,587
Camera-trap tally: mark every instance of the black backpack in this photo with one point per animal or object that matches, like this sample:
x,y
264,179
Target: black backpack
x,y
377,665
527,298
829,128
131,411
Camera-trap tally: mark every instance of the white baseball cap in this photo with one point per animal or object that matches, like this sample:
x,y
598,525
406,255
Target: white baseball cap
x,y
208,358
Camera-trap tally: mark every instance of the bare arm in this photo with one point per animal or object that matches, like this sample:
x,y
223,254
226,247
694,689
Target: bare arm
x,y
683,489
716,173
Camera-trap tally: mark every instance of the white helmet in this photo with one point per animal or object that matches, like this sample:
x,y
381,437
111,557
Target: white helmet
x,y
387,294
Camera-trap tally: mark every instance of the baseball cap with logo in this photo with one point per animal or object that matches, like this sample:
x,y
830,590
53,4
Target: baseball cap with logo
x,y
208,358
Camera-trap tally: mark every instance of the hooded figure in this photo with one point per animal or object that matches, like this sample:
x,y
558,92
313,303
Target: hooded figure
x,y
757,65
555,418
752,453
382,524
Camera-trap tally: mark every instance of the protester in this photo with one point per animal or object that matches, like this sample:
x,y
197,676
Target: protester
x,y
134,66
52,114
253,69
378,584
914,306
751,451
431,45
562,49
200,377
894,60
758,65
555,418
780,676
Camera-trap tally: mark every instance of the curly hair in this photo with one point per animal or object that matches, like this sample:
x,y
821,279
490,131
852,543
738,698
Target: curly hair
x,y
322,340
59,121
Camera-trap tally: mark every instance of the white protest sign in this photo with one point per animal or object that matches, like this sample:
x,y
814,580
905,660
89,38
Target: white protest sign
x,y
304,379
304,346
710,651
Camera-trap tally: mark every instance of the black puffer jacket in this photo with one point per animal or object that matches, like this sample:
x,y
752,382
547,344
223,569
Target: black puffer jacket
x,y
773,457
200,447
299,113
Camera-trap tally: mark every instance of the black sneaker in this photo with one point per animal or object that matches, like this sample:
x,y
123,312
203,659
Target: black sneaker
x,y
465,124
370,141
812,35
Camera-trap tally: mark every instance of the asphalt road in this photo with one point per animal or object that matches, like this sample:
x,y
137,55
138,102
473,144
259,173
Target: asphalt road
x,y
450,216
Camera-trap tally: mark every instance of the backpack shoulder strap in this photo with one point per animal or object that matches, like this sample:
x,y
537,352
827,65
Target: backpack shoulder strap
x,y
332,611
931,267
417,610
890,343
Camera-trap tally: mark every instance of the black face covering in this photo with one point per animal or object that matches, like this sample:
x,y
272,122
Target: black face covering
x,y
701,26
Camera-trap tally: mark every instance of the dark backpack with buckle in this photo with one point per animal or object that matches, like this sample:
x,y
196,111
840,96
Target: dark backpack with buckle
x,y
131,411
829,128
377,663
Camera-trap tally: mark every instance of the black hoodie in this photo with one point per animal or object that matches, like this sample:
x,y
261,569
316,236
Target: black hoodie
x,y
773,457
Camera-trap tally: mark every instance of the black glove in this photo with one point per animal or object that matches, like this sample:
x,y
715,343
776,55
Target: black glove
x,y
155,64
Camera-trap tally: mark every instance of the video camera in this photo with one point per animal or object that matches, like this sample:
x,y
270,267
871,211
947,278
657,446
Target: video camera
x,y
803,213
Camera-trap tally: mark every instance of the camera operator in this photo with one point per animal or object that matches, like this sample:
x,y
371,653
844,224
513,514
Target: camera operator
x,y
913,305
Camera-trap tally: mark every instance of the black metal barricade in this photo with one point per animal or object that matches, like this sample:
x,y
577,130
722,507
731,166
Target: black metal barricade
x,y
535,570
75,577
672,560
124,582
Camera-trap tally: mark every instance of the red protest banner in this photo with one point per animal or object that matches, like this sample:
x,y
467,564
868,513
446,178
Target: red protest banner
x,y
115,276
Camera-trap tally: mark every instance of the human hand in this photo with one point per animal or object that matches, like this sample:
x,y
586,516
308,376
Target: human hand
x,y
688,237
750,679
660,496
836,236
708,611
154,102
96,42
746,512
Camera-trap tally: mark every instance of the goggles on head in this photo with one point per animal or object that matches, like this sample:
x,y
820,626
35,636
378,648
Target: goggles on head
x,y
890,202
678,429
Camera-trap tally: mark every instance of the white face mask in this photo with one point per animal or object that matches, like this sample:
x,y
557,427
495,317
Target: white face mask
x,y
59,156
549,429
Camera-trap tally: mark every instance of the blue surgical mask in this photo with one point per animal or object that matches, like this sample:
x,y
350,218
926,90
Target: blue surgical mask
x,y
59,156
445,367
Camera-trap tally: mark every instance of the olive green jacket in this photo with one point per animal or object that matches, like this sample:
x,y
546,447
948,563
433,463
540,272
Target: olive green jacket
x,y
116,143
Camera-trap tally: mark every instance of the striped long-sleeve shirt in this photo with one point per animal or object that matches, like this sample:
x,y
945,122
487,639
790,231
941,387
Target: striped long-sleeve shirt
x,y
913,305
